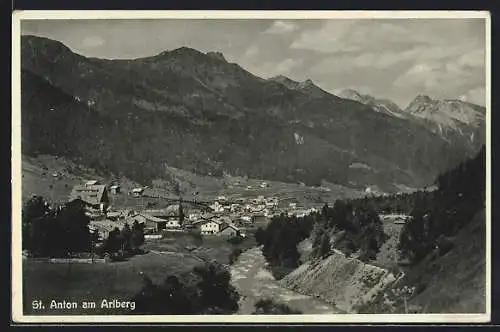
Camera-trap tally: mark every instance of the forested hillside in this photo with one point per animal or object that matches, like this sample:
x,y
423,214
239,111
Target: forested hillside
x,y
198,112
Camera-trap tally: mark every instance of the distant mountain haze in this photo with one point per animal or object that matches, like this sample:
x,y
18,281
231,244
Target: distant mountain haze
x,y
451,119
196,111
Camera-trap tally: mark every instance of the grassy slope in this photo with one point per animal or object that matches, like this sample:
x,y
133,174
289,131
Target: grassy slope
x,y
452,283
456,281
37,179
94,282
119,280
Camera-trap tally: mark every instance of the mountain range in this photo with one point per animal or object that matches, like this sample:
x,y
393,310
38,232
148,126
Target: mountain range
x,y
201,113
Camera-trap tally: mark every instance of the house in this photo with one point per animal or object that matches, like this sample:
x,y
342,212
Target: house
x,y
172,210
114,215
115,189
94,196
212,227
246,218
194,216
104,227
137,192
229,230
151,223
173,223
217,207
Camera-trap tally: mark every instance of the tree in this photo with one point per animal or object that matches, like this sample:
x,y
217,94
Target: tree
x,y
35,207
181,213
204,290
177,188
125,238
35,215
269,307
137,236
75,225
260,236
216,289
412,242
233,256
112,243
323,249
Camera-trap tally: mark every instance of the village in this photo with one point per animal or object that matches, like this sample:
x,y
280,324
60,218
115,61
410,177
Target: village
x,y
221,217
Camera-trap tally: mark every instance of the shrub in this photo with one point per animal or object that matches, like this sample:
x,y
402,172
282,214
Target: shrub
x,y
204,290
235,240
233,256
269,307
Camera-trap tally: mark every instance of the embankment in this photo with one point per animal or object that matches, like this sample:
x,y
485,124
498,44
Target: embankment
x,y
342,281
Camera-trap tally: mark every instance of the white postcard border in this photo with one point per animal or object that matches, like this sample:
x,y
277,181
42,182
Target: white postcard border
x,y
16,262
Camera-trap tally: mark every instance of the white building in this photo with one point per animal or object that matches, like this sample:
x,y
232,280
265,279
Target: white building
x,y
212,227
136,192
217,207
173,223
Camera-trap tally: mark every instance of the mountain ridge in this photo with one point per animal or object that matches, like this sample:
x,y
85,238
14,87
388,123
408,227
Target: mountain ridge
x,y
198,112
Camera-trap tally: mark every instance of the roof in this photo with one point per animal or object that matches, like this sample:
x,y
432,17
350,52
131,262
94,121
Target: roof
x,y
233,227
135,190
172,210
227,226
216,221
91,182
152,218
91,194
105,225
115,186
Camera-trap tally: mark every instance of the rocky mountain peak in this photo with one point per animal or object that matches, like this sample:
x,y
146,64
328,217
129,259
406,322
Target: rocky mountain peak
x,y
217,55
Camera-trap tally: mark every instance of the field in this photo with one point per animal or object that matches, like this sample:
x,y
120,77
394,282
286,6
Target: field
x,y
37,178
118,280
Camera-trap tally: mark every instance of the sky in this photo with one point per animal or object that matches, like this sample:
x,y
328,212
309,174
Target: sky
x,y
396,59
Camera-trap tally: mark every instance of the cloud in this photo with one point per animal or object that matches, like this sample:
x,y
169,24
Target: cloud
x,y
92,42
251,52
268,69
397,58
476,96
287,65
440,57
281,27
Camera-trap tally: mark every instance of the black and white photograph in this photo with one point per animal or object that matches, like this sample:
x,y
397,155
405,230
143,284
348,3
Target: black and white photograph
x,y
251,166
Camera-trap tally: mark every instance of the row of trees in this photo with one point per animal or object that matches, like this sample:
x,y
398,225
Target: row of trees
x,y
204,290
353,225
125,240
442,213
58,232
394,203
64,230
280,238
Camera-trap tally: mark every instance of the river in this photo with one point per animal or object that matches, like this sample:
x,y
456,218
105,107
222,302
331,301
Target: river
x,y
253,281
